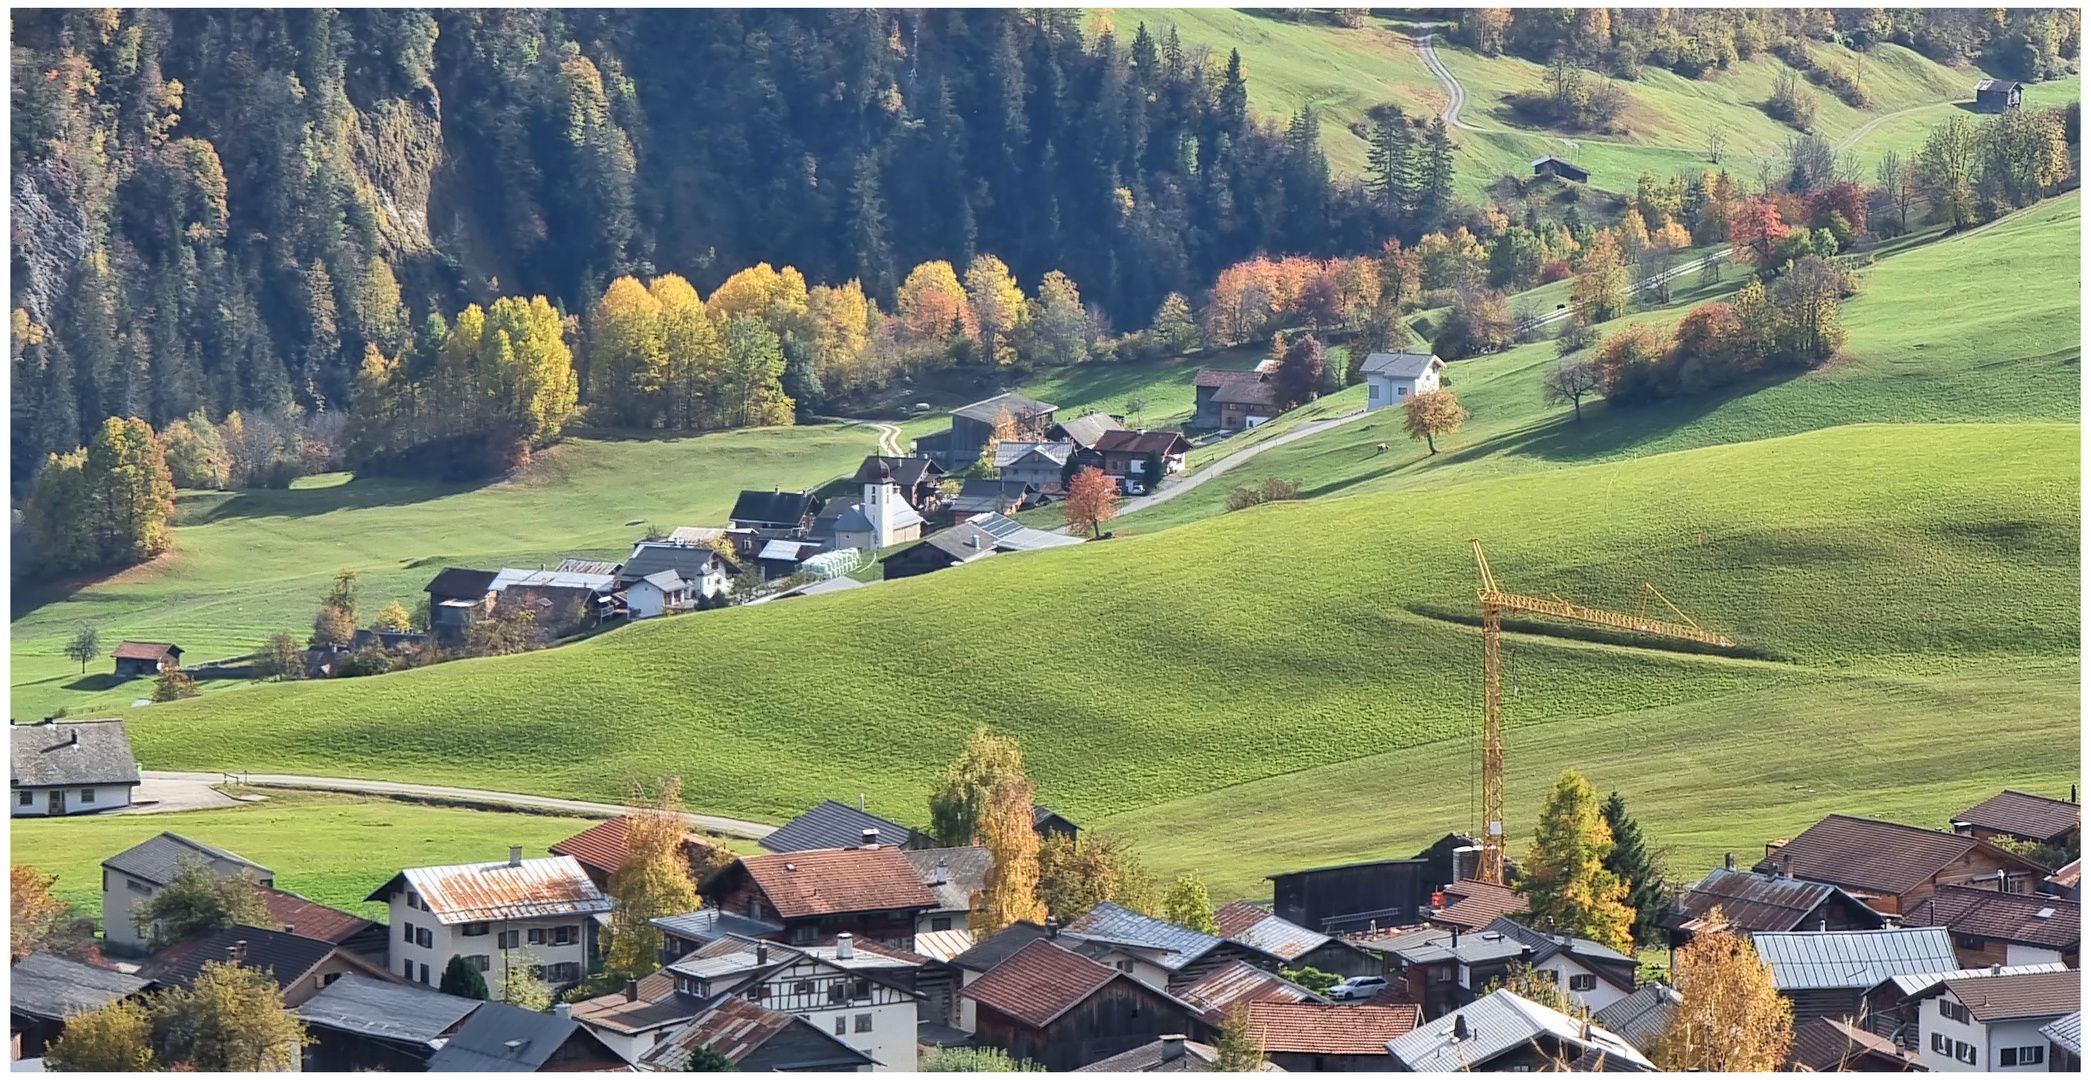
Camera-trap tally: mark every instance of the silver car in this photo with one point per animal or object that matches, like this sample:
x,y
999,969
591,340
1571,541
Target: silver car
x,y
1356,988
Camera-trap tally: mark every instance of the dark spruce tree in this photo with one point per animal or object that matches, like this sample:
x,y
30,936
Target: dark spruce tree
x,y
1646,892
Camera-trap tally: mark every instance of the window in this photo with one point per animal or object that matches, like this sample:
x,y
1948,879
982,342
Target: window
x,y
803,934
563,935
760,993
1401,391
537,935
1582,982
407,969
1963,1052
413,900
86,794
842,1025
835,992
509,938
802,988
1953,1010
406,932
863,1022
940,924
1547,975
328,979
423,938
475,929
2022,1055
1375,392
1125,966
138,887
1444,974
1941,1044
25,799
481,961
563,973
1968,941
860,989
424,974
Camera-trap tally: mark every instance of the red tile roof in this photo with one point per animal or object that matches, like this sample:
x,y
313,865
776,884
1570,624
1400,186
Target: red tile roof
x,y
1875,856
2014,917
1038,983
831,881
602,846
143,650
1220,376
308,918
1141,442
1289,1027
1826,1045
1475,904
2020,813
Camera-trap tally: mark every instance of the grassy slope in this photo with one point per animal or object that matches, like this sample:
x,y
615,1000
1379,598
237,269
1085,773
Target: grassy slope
x,y
331,848
1911,358
1827,548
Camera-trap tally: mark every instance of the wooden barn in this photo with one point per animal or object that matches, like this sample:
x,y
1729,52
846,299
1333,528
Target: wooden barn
x,y
1560,170
1048,1005
1996,95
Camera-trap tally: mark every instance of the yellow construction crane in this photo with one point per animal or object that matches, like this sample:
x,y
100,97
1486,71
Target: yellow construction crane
x,y
1494,602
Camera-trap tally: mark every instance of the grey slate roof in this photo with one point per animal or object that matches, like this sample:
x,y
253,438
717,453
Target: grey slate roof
x,y
783,508
1013,451
964,542
1016,405
1399,365
48,986
460,582
965,872
1152,1057
1110,922
502,1038
999,946
1496,1025
2022,813
361,1005
1259,928
1086,429
1545,946
981,495
286,956
710,924
1853,959
2067,1033
158,859
905,471
1641,1017
648,559
835,825
70,753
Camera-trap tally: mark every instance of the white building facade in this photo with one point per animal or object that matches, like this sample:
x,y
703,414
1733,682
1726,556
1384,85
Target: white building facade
x,y
532,915
1993,1024
1393,378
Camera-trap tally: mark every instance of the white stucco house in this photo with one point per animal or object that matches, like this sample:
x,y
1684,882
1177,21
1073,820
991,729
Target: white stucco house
x,y
69,767
1393,378
137,873
667,575
1994,1024
537,914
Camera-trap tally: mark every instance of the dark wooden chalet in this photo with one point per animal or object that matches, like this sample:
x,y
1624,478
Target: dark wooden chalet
x,y
1206,412
1049,824
973,425
1752,903
2021,815
1559,169
145,658
1996,95
1047,1005
456,596
872,892
1359,896
761,516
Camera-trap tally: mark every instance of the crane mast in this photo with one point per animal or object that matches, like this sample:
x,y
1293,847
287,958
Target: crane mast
x,y
1494,602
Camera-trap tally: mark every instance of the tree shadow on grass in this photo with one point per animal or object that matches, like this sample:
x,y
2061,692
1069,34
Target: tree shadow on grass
x,y
98,681
361,493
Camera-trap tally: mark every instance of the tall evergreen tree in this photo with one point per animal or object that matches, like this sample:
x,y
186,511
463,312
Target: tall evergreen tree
x,y
1631,862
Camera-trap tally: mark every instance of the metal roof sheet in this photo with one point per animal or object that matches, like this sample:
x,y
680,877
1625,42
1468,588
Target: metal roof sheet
x,y
710,924
1218,991
1016,405
2067,1033
1400,365
1183,944
1254,926
478,892
943,944
1852,959
50,987
1916,983
551,579
1497,1024
1641,1017
362,1005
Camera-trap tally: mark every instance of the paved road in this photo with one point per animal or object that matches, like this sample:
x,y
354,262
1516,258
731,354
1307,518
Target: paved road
x,y
1867,128
731,826
166,793
1458,93
1183,484
1671,274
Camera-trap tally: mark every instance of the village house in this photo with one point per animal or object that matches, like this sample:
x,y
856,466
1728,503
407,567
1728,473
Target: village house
x,y
44,990
1142,962
755,1039
302,966
1205,413
918,478
1892,866
1393,378
1236,985
498,1037
640,1016
309,918
1170,1053
1085,430
1994,1024
1048,824
969,541
59,767
2065,1043
1890,1009
661,577
870,891
972,426
456,596
1298,946
1038,465
1468,906
1507,1033
1185,954
954,875
1132,457
1445,969
560,602
1990,927
136,873
534,912
601,850
1829,973
783,558
2019,815
1827,1045
1308,1036
1641,1018
860,992
1047,1005
761,516
981,496
1246,403
1359,896
135,659
1751,903
358,1023
1559,169
1997,95
832,824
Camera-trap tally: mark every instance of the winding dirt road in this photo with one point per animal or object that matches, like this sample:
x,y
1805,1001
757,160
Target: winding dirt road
x,y
889,440
1458,93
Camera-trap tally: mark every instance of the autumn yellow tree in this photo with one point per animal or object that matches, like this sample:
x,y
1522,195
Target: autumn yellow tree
x,y
654,880
932,304
958,806
627,359
692,354
998,306
1433,413
32,910
843,321
1732,1018
228,1019
1565,883
1011,889
116,1037
760,290
1599,292
526,371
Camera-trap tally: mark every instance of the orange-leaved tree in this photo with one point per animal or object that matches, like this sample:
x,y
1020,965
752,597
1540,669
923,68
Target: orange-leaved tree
x,y
1092,500
1732,1018
1433,413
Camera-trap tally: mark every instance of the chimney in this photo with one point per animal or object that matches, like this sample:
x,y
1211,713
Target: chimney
x,y
72,737
845,946
1052,927
1729,862
1460,1033
232,954
762,952
1996,969
289,929
2072,793
239,951
943,873
1824,927
1455,937
515,854
631,989
1172,1047
871,838
563,1010
1586,1031
1786,867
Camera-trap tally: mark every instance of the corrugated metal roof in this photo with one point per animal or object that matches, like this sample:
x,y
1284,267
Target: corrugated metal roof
x,y
943,944
710,924
1852,959
551,579
478,892
1011,536
361,1005
1497,1024
1183,944
1017,406
1218,991
1755,903
1919,982
1640,1017
1252,925
2067,1033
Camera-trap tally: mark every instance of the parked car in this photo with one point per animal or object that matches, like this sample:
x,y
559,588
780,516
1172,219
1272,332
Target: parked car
x,y
1134,487
1357,988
